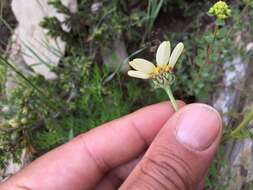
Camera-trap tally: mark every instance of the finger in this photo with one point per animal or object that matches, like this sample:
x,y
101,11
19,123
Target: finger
x,y
181,153
82,162
115,177
201,186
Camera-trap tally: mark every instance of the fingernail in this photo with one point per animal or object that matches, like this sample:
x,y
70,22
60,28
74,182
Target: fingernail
x,y
198,126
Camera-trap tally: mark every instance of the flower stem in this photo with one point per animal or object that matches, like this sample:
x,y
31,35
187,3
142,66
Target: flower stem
x,y
171,97
243,124
210,45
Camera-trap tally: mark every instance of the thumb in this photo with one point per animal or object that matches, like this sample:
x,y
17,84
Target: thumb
x,y
181,153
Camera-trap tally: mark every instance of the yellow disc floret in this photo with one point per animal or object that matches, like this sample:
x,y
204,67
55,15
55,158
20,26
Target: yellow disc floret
x,y
160,70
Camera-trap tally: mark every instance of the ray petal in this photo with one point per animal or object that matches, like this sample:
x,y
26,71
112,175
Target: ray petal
x,y
138,74
175,54
163,54
142,65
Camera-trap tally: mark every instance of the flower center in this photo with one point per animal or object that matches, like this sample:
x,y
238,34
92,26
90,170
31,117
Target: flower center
x,y
160,71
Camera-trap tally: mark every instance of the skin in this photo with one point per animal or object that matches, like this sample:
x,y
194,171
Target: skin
x,y
115,155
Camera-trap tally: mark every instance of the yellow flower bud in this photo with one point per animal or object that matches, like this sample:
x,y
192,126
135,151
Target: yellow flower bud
x,y
23,121
220,10
13,123
24,111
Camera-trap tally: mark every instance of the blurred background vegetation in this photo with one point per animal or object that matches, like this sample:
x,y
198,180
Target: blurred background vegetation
x,y
87,93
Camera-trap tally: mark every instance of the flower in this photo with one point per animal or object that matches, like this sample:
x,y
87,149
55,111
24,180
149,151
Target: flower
x,y
221,10
165,63
161,73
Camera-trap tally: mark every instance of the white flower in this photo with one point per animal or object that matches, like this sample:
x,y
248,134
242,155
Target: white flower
x,y
165,62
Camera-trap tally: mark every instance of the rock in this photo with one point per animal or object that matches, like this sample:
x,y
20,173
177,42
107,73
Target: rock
x,y
116,56
71,4
15,57
5,109
241,156
234,77
13,167
238,172
241,166
249,47
95,7
39,51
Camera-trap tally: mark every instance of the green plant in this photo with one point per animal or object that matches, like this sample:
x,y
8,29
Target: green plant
x,y
154,7
161,74
44,114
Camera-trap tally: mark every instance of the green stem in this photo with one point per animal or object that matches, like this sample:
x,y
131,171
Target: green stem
x,y
172,99
243,124
210,45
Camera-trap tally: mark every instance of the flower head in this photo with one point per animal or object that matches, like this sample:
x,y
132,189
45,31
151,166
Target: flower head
x,y
161,73
221,10
165,63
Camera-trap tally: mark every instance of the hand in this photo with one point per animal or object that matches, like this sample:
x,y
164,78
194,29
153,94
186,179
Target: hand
x,y
152,148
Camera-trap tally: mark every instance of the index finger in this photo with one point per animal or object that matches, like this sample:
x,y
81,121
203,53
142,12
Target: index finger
x,y
81,163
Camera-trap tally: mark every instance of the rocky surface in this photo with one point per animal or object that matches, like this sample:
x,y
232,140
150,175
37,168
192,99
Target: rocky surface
x,y
241,165
13,167
237,173
39,51
241,156
235,74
